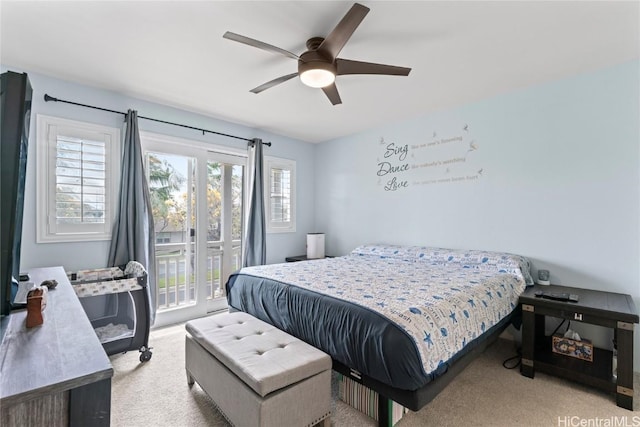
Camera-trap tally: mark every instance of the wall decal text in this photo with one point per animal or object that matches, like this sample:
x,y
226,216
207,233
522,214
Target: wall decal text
x,y
448,159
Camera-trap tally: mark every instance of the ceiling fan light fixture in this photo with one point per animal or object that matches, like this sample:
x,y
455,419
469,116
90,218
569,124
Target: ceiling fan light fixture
x,y
317,78
317,74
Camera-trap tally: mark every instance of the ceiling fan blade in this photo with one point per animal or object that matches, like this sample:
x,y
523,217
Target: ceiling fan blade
x,y
347,66
273,83
332,93
335,41
257,43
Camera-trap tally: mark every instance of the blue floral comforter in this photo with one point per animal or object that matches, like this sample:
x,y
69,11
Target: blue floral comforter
x,y
398,314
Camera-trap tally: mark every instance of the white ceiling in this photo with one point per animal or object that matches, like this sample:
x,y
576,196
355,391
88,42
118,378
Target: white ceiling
x,y
173,53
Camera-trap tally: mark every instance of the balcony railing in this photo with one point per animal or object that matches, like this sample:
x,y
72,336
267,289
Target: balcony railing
x,y
176,273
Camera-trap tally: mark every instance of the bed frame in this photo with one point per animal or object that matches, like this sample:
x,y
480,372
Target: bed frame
x,y
415,400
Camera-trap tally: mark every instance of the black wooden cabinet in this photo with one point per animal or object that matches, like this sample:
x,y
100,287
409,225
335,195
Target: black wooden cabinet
x,y
608,309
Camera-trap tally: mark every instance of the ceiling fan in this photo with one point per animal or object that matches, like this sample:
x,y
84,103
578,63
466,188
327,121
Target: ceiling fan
x,y
319,66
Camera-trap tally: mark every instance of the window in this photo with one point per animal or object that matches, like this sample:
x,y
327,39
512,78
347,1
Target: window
x,y
77,172
280,194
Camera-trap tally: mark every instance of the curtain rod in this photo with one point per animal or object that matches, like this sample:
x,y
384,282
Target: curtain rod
x,y
48,98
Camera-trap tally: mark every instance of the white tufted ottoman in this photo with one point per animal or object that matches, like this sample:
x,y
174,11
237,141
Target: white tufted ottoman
x,y
257,374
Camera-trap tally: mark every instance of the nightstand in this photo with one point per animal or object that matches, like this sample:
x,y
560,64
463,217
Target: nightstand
x,y
608,309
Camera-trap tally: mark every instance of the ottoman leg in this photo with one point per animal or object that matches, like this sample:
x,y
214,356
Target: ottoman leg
x,y
190,380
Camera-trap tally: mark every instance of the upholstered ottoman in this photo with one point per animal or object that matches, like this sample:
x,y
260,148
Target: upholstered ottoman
x,y
256,374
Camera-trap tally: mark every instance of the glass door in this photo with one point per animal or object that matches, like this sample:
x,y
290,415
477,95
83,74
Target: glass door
x,y
225,204
197,199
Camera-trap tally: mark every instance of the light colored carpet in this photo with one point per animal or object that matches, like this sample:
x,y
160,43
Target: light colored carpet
x,y
484,394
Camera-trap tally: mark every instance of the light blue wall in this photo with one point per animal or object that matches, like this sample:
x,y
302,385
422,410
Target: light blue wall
x,y
559,183
560,178
74,256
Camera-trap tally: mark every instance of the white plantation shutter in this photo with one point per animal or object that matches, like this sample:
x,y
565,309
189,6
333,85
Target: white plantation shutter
x,y
280,195
280,191
77,165
80,181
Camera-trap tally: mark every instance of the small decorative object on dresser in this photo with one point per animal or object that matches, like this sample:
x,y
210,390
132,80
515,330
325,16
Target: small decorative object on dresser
x,y
36,303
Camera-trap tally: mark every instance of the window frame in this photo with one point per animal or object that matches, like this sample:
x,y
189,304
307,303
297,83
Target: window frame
x,y
48,130
271,162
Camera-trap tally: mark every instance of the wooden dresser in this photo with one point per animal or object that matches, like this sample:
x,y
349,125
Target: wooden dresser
x,y
56,374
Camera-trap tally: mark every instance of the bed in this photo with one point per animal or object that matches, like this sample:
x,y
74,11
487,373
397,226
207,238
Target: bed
x,y
401,320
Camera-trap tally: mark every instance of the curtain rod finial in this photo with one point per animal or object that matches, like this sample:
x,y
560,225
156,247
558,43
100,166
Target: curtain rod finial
x,y
252,142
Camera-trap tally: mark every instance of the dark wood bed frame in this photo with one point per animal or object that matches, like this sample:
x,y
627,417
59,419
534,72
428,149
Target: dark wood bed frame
x,y
415,400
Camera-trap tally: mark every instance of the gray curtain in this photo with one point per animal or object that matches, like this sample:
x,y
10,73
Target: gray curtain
x,y
255,247
133,237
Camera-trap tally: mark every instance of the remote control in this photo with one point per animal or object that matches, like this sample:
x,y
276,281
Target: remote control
x,y
557,296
